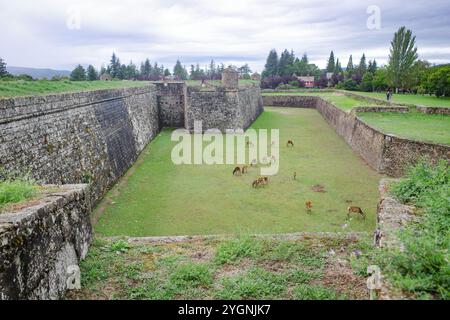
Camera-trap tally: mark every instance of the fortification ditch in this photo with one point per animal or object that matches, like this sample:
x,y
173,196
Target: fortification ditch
x,y
385,153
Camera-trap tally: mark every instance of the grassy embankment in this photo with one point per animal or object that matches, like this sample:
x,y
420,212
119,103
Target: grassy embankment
x,y
22,88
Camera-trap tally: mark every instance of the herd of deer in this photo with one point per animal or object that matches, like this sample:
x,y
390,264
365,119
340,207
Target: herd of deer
x,y
263,181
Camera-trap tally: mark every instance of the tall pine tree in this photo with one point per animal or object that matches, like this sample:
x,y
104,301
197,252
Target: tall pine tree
x,y
350,67
114,66
338,68
92,74
179,71
286,62
362,67
331,66
271,67
78,74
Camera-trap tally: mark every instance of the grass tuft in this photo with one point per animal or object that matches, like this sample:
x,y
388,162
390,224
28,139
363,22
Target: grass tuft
x,y
256,283
306,292
233,250
15,191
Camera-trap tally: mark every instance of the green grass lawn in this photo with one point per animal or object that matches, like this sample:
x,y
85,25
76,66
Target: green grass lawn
x,y
237,268
42,87
340,100
415,99
414,125
160,199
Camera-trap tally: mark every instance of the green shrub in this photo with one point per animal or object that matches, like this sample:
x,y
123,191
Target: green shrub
x,y
14,191
422,180
422,267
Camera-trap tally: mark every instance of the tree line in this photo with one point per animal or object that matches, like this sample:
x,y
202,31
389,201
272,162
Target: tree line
x,y
405,72
153,72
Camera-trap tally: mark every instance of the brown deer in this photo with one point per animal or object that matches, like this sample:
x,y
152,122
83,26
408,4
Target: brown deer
x,y
290,143
237,171
308,205
356,210
244,169
264,181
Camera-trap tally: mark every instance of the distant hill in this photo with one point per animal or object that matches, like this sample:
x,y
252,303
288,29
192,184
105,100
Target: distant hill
x,y
37,73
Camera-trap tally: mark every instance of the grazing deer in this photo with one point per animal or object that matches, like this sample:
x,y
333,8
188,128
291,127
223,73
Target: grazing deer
x,y
356,210
244,169
290,143
308,205
264,181
237,171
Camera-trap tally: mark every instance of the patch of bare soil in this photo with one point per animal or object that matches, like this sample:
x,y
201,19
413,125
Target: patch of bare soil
x,y
318,188
232,270
339,275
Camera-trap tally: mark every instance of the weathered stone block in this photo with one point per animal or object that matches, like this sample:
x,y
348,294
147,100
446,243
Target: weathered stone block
x,y
38,243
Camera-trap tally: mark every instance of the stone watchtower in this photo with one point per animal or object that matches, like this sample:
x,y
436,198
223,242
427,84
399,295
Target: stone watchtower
x,y
230,79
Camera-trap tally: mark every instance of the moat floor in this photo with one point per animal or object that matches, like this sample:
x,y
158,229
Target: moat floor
x,y
158,198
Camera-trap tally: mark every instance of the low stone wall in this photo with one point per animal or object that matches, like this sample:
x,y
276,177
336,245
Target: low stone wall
x,y
366,99
290,101
434,110
399,153
40,242
423,109
385,153
377,109
391,216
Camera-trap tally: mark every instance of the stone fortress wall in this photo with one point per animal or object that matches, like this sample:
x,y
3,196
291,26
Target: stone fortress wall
x,y
91,139
95,137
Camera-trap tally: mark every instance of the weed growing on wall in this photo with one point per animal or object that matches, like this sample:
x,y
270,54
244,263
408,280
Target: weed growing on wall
x,y
15,190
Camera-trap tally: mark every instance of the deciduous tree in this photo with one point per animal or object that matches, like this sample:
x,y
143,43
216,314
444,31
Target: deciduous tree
x,y
403,55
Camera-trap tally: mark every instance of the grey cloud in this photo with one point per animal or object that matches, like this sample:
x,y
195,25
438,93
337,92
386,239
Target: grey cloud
x,y
196,31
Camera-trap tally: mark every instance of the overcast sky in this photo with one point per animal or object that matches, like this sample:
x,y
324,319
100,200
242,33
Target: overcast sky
x,y
61,33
